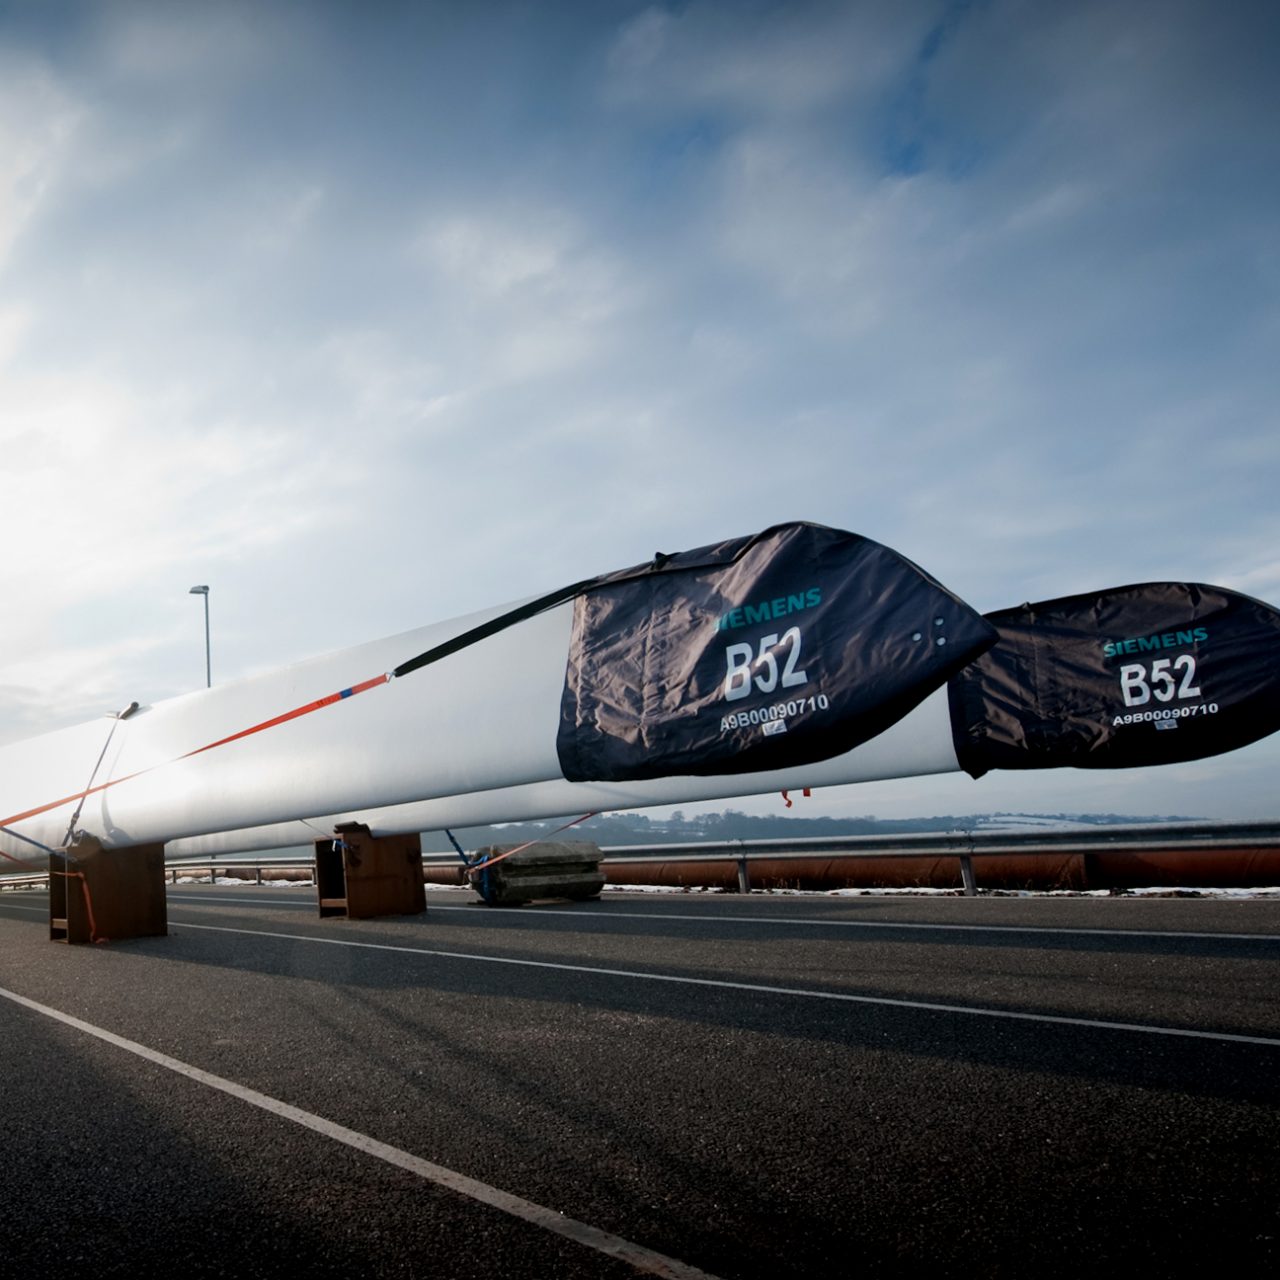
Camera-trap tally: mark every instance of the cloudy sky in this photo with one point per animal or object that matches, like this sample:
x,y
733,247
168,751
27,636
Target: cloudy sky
x,y
372,315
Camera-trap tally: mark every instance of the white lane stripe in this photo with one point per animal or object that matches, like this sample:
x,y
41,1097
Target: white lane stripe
x,y
642,1259
759,988
609,913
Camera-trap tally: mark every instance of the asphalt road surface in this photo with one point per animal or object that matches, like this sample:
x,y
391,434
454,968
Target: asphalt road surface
x,y
645,1085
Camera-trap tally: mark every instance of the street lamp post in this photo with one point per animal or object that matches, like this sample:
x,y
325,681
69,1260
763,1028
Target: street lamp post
x,y
208,666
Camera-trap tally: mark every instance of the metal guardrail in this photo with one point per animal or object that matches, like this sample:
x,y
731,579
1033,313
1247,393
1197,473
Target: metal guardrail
x,y
1192,835
1204,837
965,845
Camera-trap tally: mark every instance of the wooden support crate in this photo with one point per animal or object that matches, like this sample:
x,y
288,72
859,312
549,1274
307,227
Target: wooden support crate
x,y
360,875
100,895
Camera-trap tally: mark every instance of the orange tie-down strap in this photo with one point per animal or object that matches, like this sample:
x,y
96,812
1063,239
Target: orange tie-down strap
x,y
327,701
528,844
297,712
88,902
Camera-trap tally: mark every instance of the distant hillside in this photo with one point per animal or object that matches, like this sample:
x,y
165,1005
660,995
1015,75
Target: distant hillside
x,y
610,830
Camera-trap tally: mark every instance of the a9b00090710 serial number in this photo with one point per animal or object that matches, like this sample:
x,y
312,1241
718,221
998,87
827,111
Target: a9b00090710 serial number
x,y
1167,713
778,711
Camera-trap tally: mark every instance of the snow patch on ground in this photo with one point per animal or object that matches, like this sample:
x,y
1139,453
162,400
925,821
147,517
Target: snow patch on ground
x,y
1154,891
237,880
1005,823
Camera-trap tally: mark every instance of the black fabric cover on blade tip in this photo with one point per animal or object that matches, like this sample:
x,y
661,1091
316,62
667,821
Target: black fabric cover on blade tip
x,y
781,649
1153,673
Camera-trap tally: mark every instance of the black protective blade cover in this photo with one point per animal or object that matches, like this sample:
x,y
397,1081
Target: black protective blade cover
x,y
780,649
1154,673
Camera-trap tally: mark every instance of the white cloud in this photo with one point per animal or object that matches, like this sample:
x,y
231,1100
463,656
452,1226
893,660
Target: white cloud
x,y
779,60
534,292
281,213
182,43
38,126
14,322
1259,580
494,256
113,499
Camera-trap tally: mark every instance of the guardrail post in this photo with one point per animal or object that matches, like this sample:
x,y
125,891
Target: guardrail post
x,y
967,877
744,876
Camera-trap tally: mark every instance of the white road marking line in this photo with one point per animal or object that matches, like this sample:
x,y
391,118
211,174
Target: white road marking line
x,y
811,922
759,988
880,924
642,1259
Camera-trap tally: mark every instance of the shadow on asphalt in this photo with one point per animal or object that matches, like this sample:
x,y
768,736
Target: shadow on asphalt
x,y
1209,1068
